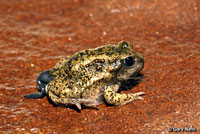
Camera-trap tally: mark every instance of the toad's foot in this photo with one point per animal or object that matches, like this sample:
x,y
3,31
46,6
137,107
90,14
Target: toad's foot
x,y
120,98
36,95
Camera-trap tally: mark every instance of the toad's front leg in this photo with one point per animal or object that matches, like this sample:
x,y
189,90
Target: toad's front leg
x,y
112,97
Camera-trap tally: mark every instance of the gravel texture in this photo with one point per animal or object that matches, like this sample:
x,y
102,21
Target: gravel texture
x,y
35,34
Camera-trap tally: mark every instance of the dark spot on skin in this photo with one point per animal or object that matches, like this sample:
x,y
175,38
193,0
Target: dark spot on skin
x,y
81,95
69,66
70,86
100,49
108,53
69,76
111,94
81,54
69,62
86,52
92,53
76,58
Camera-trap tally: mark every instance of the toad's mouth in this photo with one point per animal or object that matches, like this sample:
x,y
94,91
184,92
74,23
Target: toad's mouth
x,y
137,77
137,71
131,82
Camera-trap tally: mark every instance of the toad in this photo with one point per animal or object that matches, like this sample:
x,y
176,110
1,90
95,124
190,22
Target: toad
x,y
91,76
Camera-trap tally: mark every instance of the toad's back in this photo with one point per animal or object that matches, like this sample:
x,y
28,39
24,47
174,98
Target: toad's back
x,y
88,65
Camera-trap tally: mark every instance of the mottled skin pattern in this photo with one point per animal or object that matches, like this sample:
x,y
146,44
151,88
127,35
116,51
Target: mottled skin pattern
x,y
89,76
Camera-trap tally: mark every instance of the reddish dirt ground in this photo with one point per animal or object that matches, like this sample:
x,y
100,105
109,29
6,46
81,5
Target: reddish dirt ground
x,y
35,34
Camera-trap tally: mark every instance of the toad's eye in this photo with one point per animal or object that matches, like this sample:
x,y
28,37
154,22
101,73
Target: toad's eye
x,y
128,62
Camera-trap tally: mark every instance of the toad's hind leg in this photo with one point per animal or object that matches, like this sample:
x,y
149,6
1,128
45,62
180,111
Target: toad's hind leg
x,y
71,101
42,80
61,100
120,98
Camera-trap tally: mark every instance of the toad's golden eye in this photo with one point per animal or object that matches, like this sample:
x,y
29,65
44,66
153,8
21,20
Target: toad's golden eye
x,y
128,62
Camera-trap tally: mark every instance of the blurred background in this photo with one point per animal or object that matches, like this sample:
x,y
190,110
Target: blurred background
x,y
35,34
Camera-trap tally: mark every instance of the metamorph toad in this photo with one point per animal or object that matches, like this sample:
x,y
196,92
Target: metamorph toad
x,y
90,76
